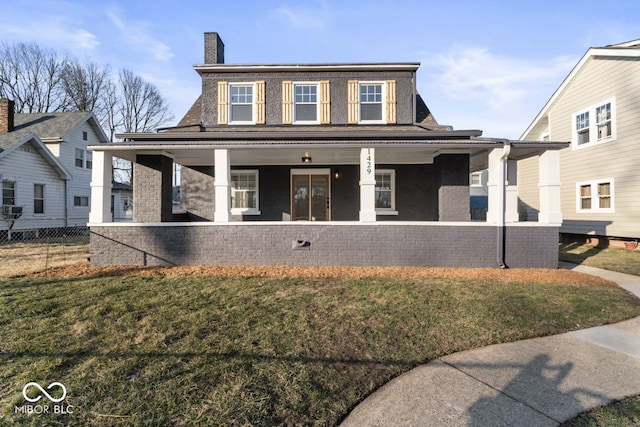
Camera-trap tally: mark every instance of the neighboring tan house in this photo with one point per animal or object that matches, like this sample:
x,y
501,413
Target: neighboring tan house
x,y
318,164
45,170
597,108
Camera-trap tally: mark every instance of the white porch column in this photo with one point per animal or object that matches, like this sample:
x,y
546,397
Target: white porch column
x,y
367,185
511,199
221,182
494,187
549,185
101,176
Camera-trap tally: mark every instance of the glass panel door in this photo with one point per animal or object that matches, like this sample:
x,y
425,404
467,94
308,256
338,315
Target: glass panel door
x,y
310,197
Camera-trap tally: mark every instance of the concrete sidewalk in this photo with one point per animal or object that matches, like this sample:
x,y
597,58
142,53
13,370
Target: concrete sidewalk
x,y
535,382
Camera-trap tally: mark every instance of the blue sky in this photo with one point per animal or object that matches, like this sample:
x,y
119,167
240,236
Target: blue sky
x,y
487,65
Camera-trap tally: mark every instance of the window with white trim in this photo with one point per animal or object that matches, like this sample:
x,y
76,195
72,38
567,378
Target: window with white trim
x,y
79,158
8,192
306,106
371,96
38,198
385,191
89,160
476,179
244,192
595,196
241,103
80,201
594,125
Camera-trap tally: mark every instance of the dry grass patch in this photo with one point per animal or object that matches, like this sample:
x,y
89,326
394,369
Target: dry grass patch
x,y
26,257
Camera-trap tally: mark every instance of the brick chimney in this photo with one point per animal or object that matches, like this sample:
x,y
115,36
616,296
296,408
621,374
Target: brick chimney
x,y
7,108
213,49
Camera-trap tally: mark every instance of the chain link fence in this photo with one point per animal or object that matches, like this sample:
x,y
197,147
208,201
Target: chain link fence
x,y
29,245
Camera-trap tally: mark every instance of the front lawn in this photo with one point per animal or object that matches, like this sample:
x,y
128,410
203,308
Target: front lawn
x,y
625,413
162,349
621,260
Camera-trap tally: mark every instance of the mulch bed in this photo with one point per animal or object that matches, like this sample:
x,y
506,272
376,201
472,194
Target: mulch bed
x,y
539,275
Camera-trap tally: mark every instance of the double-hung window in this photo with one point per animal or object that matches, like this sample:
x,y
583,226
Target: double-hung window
x,y
89,161
8,192
244,192
306,105
595,196
38,198
80,201
241,103
594,125
385,192
79,158
371,102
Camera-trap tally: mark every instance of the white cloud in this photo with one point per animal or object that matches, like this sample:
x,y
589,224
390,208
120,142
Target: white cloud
x,y
301,17
52,31
137,34
496,93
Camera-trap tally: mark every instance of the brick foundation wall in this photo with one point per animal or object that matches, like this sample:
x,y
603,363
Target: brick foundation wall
x,y
331,244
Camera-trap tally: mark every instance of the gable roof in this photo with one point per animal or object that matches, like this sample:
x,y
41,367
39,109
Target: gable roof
x,y
42,149
630,49
48,126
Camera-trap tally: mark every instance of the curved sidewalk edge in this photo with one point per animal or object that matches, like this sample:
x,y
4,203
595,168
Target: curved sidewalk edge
x,y
535,382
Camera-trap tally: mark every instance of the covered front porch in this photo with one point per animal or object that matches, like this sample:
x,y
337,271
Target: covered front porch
x,y
324,203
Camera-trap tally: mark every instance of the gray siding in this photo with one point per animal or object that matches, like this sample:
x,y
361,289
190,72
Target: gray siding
x,y
348,244
338,88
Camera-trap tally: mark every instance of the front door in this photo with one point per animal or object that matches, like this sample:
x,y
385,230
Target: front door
x,y
310,200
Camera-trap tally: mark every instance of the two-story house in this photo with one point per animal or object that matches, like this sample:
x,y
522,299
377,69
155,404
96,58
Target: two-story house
x,y
597,108
45,169
318,164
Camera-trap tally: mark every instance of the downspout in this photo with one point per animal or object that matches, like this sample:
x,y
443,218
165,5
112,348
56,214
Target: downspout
x,y
502,192
66,203
415,95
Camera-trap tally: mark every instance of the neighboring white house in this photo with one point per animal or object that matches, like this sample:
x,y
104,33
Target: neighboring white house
x,y
121,201
597,108
45,169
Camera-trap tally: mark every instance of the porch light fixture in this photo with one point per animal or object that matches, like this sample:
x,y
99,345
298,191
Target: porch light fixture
x,y
306,158
336,174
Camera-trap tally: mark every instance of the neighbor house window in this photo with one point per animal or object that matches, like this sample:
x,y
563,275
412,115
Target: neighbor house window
x,y
80,201
476,179
89,162
8,192
594,125
84,135
241,103
595,196
371,106
385,192
305,98
38,198
244,192
79,158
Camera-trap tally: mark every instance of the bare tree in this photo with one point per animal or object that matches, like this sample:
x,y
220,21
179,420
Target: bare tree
x,y
85,87
31,77
142,107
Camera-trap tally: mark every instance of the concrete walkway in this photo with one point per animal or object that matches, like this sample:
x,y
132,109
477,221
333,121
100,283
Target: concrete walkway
x,y
535,382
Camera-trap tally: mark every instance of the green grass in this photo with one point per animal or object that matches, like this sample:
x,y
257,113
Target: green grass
x,y
625,413
171,350
621,260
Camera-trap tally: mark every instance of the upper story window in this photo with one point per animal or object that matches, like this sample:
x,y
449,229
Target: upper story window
x,y
8,192
371,102
594,125
244,192
241,102
306,106
89,161
85,136
371,106
595,196
385,192
79,158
